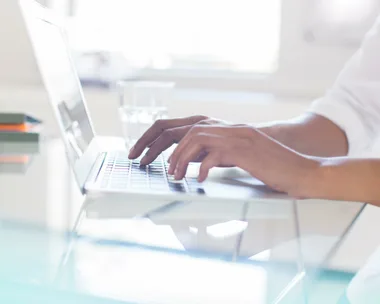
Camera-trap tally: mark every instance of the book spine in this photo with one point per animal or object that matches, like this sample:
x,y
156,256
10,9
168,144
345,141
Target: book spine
x,y
19,137
19,127
12,119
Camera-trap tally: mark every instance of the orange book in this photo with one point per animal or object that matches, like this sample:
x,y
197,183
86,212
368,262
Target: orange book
x,y
16,128
19,127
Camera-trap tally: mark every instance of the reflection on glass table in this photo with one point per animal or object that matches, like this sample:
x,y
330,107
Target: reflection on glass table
x,y
42,265
212,231
53,240
17,157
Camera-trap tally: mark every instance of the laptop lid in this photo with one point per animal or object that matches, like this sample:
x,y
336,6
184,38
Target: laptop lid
x,y
48,37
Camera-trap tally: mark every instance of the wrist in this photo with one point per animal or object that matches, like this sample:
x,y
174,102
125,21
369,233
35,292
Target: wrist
x,y
308,176
292,172
277,131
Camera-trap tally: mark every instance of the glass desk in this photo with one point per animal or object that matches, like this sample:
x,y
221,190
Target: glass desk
x,y
55,248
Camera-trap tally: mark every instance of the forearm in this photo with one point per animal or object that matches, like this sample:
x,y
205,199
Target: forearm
x,y
336,178
309,134
344,179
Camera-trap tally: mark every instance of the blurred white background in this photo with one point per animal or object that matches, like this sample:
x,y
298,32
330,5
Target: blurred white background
x,y
291,48
198,36
265,59
242,60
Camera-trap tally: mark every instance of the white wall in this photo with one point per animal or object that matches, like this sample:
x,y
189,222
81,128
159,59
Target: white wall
x,y
17,64
304,69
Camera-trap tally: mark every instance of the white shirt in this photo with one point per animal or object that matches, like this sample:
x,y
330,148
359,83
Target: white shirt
x,y
353,103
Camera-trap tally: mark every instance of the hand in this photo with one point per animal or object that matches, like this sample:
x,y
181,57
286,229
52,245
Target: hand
x,y
223,145
164,133
245,147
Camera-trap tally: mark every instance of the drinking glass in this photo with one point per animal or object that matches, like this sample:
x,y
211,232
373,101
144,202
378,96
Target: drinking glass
x,y
141,103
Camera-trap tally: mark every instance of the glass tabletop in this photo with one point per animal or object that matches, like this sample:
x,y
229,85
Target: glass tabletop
x,y
54,242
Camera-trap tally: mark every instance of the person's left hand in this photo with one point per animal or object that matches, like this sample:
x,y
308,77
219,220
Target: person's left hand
x,y
242,146
220,143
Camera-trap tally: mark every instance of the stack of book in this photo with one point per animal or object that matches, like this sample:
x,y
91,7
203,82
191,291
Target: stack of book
x,y
19,127
19,141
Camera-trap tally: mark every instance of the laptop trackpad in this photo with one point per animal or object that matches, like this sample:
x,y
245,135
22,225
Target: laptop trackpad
x,y
236,183
232,176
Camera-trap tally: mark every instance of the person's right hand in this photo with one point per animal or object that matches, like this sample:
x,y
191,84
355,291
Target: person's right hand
x,y
164,133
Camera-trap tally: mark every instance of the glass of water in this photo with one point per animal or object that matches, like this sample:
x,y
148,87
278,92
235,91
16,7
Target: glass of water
x,y
141,103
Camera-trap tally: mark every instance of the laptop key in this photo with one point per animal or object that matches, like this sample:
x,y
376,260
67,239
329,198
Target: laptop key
x,y
120,172
176,187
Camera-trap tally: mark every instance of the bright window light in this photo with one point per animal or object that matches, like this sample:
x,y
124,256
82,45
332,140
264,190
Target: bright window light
x,y
230,35
227,229
347,11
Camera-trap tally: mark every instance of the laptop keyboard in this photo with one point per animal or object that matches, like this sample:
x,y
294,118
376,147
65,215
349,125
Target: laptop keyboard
x,y
119,172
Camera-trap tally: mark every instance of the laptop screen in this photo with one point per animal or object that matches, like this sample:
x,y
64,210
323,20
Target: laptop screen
x,y
63,86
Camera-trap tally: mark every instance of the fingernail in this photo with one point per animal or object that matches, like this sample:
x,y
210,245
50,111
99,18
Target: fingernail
x,y
131,151
170,170
143,161
201,179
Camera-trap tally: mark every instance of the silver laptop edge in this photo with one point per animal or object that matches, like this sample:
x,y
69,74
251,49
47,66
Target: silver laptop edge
x,y
38,18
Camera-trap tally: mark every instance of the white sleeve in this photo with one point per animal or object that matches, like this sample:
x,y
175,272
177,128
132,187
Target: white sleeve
x,y
353,103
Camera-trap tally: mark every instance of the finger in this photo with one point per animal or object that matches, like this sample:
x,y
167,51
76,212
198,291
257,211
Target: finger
x,y
198,159
183,163
213,159
181,146
212,130
151,144
195,146
153,133
163,142
156,129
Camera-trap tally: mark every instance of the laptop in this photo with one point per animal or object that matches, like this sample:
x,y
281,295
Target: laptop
x,y
103,170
